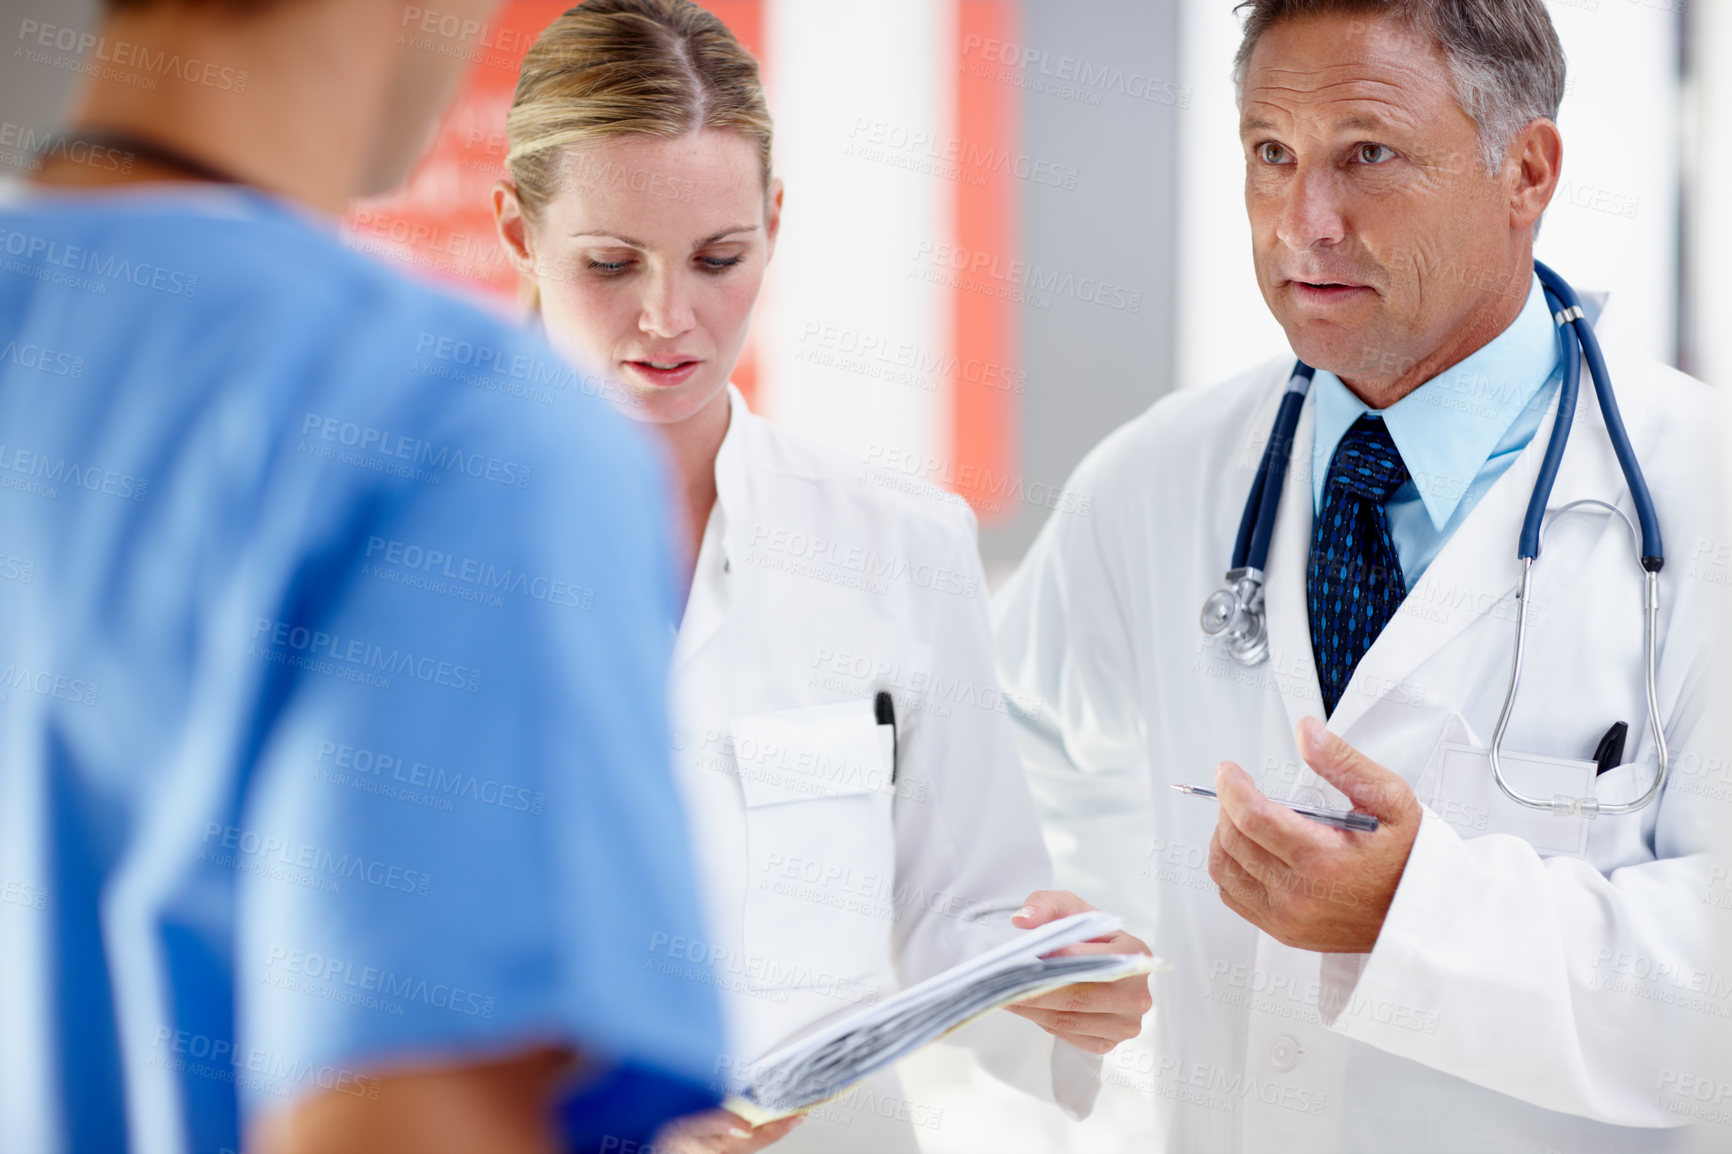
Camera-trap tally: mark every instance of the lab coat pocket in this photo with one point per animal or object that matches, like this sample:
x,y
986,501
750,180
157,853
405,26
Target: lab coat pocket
x,y
1457,785
821,845
1621,840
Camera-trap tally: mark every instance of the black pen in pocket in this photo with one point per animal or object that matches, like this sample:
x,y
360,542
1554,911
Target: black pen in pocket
x,y
885,710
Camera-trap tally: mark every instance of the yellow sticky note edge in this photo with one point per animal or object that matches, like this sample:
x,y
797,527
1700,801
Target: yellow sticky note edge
x,y
756,1115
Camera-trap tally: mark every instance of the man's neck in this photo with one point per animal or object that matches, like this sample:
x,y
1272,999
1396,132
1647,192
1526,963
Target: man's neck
x,y
1498,313
290,104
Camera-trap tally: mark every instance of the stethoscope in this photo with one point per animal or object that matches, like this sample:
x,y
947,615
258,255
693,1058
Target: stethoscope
x,y
1236,613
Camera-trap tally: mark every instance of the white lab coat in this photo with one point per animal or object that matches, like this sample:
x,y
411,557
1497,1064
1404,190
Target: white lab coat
x,y
1511,1002
829,886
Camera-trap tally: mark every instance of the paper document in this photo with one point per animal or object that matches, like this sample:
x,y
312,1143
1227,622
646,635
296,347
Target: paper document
x,y
828,1060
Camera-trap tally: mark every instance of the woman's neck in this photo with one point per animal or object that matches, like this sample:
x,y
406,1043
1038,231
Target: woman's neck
x,y
693,445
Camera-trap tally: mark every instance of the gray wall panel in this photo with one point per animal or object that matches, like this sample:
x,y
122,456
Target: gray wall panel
x,y
35,83
1103,96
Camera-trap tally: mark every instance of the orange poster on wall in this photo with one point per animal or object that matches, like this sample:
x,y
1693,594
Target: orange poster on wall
x,y
441,223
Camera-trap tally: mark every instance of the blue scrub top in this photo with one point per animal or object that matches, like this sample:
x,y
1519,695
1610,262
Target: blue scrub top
x,y
333,643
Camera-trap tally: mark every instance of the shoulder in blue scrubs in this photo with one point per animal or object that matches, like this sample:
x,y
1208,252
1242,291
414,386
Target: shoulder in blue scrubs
x,y
333,640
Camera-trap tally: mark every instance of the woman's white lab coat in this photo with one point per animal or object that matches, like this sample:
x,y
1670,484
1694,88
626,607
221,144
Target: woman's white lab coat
x,y
1538,984
842,862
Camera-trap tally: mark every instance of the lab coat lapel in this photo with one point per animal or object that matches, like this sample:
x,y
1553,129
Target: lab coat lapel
x,y
1294,672
705,611
1475,574
709,601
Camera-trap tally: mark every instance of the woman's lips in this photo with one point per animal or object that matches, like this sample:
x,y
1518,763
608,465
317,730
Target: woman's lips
x,y
659,375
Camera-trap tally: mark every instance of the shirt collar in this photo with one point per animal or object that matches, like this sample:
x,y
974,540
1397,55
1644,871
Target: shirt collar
x,y
1447,428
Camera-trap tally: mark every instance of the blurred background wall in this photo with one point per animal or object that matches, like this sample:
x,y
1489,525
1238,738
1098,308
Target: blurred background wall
x,y
1012,225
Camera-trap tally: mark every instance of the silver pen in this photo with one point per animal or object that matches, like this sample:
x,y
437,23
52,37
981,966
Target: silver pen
x,y
1338,818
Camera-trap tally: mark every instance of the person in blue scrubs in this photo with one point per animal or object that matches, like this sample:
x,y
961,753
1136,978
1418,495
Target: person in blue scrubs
x,y
329,684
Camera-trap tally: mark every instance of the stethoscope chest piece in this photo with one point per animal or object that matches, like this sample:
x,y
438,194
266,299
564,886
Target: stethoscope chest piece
x,y
1235,613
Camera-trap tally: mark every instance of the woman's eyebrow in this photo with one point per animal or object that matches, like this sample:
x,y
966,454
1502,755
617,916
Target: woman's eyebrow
x,y
630,243
724,234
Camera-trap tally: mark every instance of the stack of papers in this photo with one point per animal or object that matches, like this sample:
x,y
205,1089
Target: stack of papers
x,y
830,1059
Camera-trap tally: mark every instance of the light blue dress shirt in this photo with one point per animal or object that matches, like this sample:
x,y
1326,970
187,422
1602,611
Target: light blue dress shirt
x,y
1457,433
332,659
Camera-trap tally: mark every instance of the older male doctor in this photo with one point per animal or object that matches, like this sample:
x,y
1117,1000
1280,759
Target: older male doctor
x,y
1473,975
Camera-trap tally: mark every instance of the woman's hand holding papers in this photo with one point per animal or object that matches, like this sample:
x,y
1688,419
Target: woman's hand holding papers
x,y
1093,1017
720,1132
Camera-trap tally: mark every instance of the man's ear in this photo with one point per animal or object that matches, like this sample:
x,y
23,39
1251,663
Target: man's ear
x,y
1537,156
513,227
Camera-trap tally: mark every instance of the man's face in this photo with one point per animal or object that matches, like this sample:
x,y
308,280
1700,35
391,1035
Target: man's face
x,y
1378,234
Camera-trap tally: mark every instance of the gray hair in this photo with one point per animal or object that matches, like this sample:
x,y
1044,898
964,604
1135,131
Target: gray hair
x,y
1504,55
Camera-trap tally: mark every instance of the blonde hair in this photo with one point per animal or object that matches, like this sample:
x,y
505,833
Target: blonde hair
x,y
611,68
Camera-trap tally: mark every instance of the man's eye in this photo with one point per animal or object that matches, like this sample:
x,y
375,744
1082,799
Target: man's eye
x,y
1272,153
1374,153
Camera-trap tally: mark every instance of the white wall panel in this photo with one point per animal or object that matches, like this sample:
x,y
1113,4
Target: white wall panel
x,y
1223,325
1613,225
859,93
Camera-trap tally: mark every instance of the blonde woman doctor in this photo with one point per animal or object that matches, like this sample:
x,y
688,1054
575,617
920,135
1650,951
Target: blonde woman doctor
x,y
856,797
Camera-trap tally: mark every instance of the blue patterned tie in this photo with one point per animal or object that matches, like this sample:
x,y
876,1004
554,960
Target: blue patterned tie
x,y
1354,584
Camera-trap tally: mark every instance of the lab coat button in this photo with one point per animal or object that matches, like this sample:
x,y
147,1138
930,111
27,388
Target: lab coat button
x,y
1284,1053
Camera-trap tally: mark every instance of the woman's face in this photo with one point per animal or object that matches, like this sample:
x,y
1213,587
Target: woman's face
x,y
649,257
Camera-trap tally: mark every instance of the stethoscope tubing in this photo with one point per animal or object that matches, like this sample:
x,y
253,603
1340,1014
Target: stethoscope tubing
x,y
1257,527
1570,316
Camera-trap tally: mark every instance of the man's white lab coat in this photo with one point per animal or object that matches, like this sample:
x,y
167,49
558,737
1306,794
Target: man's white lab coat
x,y
1515,1000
